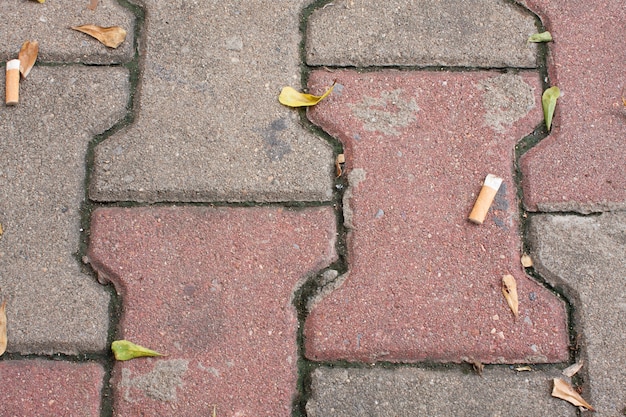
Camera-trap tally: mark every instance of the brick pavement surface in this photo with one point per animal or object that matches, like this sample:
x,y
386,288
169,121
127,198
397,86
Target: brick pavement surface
x,y
367,294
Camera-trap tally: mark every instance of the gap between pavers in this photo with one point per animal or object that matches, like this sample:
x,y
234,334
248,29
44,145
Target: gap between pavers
x,y
212,288
52,305
209,125
586,257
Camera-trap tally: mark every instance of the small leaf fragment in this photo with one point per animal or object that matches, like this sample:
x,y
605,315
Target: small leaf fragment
x,y
572,370
540,37
28,56
526,260
524,368
110,36
509,290
548,101
125,350
41,1
3,327
292,98
93,4
339,161
564,391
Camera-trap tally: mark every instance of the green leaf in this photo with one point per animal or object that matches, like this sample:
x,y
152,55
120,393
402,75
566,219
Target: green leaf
x,y
292,98
540,37
548,101
125,350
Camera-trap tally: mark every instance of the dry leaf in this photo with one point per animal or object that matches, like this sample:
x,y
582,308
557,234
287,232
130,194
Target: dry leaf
x,y
572,370
292,98
3,327
548,102
125,350
509,290
341,159
28,56
41,1
1,230
527,262
524,368
112,36
564,391
540,37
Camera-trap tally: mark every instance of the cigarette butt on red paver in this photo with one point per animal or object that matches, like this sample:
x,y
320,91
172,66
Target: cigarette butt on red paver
x,y
485,198
13,82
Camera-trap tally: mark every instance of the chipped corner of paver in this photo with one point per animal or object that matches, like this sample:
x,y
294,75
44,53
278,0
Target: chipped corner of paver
x,y
329,281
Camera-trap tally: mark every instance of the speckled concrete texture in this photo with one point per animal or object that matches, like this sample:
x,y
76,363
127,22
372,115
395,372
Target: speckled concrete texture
x,y
49,23
433,393
418,146
458,33
213,289
580,165
50,388
52,305
210,127
586,256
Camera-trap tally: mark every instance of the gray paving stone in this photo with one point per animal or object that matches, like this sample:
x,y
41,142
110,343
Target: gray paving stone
x,y
587,257
52,305
49,24
476,33
210,127
434,393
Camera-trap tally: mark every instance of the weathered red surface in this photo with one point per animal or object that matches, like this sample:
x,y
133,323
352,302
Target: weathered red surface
x,y
424,283
581,165
50,388
212,289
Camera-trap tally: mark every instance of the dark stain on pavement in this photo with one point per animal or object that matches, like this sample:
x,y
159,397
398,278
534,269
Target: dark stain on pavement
x,y
276,148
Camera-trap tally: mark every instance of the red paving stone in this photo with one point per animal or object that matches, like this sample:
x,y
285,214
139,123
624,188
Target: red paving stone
x,y
46,388
580,166
423,282
213,289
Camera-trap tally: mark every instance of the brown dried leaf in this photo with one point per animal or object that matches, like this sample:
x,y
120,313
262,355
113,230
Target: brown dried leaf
x,y
112,36
572,370
564,391
524,368
3,327
28,56
509,290
341,159
527,262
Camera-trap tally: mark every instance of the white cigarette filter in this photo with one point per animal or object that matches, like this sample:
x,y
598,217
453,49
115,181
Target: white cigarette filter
x,y
485,199
13,82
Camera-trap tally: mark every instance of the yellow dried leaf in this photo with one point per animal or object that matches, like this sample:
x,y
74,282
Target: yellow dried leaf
x,y
341,159
41,1
548,102
28,56
125,350
564,391
292,98
524,368
3,327
509,290
540,37
111,36
527,262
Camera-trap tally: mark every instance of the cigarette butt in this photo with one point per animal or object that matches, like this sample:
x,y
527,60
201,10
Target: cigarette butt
x,y
13,82
485,198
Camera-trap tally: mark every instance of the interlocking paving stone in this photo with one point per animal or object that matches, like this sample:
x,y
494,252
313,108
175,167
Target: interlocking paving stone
x,y
476,33
433,393
50,388
210,127
580,165
586,256
213,289
52,306
423,283
49,24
